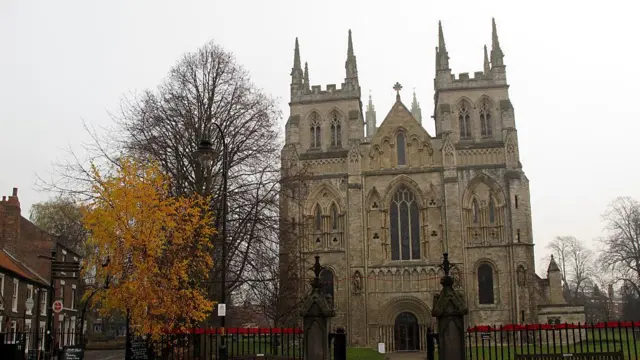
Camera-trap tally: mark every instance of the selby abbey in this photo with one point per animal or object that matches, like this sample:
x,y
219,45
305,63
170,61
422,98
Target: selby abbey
x,y
381,203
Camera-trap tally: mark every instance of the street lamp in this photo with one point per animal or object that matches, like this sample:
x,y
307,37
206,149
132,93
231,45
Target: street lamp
x,y
205,155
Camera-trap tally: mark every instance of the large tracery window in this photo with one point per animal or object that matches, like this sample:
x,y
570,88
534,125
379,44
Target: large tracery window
x,y
465,120
485,284
400,145
405,226
485,119
315,131
336,133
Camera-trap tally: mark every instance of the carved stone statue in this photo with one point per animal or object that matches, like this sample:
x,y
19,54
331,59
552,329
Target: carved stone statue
x,y
357,282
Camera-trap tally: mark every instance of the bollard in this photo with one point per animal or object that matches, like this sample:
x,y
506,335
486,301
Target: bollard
x,y
340,345
431,348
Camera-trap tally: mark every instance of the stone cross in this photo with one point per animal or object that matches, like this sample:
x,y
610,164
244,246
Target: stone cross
x,y
397,87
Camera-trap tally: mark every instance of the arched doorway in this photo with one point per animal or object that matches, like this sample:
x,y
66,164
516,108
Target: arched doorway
x,y
406,332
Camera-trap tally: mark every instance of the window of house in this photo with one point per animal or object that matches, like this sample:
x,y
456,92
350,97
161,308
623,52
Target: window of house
x,y
485,284
1,290
486,128
318,218
13,329
464,120
41,337
62,283
73,297
336,133
401,146
29,296
14,298
404,226
43,302
334,216
315,131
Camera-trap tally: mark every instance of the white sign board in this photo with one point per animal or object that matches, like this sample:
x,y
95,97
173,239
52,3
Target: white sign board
x,y
381,348
222,309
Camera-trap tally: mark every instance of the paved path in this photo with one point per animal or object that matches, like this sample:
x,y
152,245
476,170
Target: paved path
x,y
406,356
104,355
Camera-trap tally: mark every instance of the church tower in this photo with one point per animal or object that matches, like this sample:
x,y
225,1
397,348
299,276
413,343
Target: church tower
x,y
323,136
474,118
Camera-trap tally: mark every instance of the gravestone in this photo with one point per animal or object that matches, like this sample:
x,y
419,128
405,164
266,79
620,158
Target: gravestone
x,y
449,309
315,314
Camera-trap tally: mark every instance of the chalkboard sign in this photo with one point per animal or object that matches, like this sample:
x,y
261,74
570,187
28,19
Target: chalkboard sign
x,y
138,349
72,353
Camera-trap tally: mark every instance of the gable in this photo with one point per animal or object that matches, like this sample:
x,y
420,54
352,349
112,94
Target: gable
x,y
400,118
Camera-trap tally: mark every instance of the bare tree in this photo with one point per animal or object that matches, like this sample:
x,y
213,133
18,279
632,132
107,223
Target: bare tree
x,y
61,217
621,247
205,88
576,263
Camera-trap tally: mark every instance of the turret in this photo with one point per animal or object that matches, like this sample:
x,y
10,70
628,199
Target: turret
x,y
370,117
556,293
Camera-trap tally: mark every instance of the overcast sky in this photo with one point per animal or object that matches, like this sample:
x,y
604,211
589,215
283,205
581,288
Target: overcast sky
x,y
572,66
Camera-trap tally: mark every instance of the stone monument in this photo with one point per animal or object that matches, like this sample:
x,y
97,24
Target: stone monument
x,y
449,309
316,313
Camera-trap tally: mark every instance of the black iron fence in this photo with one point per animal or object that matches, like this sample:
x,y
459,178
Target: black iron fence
x,y
606,340
610,340
204,344
36,344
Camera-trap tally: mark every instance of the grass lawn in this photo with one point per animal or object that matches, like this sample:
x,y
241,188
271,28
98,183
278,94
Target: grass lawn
x,y
363,354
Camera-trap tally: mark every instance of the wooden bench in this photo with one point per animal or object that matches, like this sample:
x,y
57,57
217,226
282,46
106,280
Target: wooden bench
x,y
617,355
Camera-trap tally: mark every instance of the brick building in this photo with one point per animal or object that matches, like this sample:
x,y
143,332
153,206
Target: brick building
x,y
25,273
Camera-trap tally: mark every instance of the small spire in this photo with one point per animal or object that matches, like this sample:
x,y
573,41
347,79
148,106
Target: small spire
x,y
487,67
296,56
552,265
350,47
351,65
306,76
370,106
415,108
442,56
496,52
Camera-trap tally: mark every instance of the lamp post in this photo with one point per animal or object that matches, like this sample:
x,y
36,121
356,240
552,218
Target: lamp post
x,y
205,154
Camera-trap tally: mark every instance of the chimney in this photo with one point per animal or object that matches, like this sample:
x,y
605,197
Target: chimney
x,y
11,223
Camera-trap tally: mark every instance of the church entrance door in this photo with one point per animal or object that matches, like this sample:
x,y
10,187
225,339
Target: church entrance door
x,y
406,332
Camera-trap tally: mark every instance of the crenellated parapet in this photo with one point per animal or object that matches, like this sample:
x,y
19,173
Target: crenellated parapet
x,y
331,93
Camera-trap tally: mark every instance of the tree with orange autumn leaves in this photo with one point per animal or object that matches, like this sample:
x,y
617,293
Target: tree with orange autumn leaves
x,y
158,247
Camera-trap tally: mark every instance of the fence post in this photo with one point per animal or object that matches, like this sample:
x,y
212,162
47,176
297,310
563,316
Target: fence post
x,y
450,310
315,314
340,345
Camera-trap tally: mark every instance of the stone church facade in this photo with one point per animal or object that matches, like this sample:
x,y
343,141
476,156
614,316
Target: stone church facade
x,y
382,202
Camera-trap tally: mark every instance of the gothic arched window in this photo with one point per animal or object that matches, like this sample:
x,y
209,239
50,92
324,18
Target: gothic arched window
x,y
485,284
315,131
326,279
334,217
336,133
405,226
317,218
465,120
400,145
492,212
485,119
476,212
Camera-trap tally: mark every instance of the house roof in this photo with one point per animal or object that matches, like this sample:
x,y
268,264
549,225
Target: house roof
x,y
11,264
